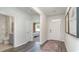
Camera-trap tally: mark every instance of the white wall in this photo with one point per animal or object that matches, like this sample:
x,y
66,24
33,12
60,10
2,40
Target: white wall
x,y
72,43
43,29
58,32
22,31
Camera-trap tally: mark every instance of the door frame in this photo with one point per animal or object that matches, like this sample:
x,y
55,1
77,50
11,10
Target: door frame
x,y
10,17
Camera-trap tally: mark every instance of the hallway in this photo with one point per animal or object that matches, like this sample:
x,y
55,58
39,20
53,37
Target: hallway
x,y
39,29
29,23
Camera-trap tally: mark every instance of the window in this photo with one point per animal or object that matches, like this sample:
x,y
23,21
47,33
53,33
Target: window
x,y
37,27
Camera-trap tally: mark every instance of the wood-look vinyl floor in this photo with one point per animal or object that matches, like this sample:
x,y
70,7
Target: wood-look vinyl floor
x,y
34,46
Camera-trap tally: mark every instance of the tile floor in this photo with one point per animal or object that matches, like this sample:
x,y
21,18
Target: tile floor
x,y
4,47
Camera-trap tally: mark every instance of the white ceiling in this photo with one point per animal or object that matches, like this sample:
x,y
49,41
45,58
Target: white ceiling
x,y
53,10
29,10
46,10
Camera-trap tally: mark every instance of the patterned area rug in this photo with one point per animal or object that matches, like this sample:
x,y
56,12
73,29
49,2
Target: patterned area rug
x,y
53,46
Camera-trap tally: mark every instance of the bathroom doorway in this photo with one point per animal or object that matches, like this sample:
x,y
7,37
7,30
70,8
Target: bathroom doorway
x,y
6,32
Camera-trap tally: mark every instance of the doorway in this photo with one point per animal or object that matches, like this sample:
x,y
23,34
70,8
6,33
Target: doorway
x,y
36,31
55,29
36,36
6,32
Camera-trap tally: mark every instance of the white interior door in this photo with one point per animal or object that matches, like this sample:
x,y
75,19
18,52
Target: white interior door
x,y
54,30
